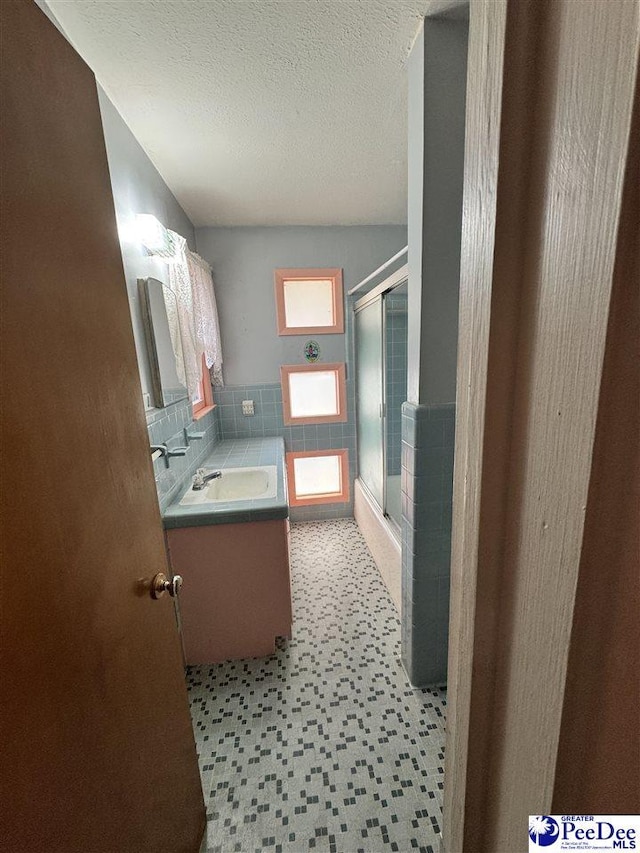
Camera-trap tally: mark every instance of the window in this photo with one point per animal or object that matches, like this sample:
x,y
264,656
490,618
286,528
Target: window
x,y
318,477
309,301
313,393
202,399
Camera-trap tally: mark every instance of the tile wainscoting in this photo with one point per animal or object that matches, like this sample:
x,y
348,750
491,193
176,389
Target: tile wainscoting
x,y
427,491
166,426
267,421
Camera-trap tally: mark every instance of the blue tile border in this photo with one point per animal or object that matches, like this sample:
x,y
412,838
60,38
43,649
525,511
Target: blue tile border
x,y
166,426
268,422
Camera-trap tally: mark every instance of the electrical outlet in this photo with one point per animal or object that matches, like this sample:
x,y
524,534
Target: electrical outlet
x,y
247,407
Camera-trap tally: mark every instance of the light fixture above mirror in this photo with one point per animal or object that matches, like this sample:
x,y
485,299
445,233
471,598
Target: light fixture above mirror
x,y
152,234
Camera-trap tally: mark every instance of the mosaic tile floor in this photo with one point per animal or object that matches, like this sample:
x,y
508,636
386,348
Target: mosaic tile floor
x,y
324,746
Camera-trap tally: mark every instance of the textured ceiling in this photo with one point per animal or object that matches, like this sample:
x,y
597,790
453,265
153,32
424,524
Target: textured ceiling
x,y
261,112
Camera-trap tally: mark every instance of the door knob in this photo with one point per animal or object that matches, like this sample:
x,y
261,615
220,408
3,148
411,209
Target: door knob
x,y
161,584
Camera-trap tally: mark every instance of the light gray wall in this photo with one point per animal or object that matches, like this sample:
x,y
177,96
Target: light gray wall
x,y
243,261
138,188
437,86
415,156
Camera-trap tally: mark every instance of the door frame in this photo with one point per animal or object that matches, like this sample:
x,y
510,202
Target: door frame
x,y
539,242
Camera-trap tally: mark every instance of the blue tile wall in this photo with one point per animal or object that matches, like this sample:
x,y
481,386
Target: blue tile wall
x,y
166,426
427,491
396,331
268,421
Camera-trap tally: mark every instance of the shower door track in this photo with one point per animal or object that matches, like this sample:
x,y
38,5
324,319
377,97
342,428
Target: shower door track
x,y
394,529
395,280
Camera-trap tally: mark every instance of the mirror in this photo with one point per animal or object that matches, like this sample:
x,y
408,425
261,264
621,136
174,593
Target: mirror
x,y
164,346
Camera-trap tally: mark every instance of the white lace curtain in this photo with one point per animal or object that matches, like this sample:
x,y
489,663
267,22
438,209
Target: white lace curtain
x,y
193,324
207,329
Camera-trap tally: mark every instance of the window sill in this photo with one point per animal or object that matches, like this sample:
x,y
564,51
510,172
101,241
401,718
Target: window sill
x,y
203,411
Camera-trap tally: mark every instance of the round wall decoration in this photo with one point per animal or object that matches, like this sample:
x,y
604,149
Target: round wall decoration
x,y
312,350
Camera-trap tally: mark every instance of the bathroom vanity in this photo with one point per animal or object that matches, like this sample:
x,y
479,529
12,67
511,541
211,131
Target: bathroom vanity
x,y
231,547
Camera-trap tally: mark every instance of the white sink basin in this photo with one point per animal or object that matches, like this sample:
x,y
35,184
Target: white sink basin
x,y
236,484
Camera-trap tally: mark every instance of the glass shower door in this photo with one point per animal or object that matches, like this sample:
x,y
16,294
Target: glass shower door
x,y
369,398
395,389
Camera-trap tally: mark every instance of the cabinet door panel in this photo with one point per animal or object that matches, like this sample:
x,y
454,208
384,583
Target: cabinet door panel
x,y
236,597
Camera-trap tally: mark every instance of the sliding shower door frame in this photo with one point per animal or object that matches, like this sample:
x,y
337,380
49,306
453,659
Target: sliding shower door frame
x,y
392,282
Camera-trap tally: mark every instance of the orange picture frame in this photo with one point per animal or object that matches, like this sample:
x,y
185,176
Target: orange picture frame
x,y
341,496
341,393
332,274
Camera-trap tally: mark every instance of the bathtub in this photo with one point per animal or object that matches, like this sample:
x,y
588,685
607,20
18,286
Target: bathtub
x,y
381,540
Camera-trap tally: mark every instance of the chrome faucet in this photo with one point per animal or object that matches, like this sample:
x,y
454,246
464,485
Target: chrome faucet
x,y
200,479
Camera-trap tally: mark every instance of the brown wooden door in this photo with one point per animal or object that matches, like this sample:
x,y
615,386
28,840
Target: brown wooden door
x,y
98,751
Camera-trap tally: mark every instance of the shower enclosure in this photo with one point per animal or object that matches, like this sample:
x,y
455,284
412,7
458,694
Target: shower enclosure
x,y
381,389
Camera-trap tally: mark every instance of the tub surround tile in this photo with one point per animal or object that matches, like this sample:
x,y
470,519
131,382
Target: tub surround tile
x,y
427,490
396,372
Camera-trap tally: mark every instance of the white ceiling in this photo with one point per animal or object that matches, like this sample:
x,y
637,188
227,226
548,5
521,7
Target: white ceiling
x,y
261,112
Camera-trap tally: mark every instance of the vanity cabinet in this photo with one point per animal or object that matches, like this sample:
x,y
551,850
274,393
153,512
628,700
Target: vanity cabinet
x,y
236,597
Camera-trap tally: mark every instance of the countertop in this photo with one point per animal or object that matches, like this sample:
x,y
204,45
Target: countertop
x,y
237,453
